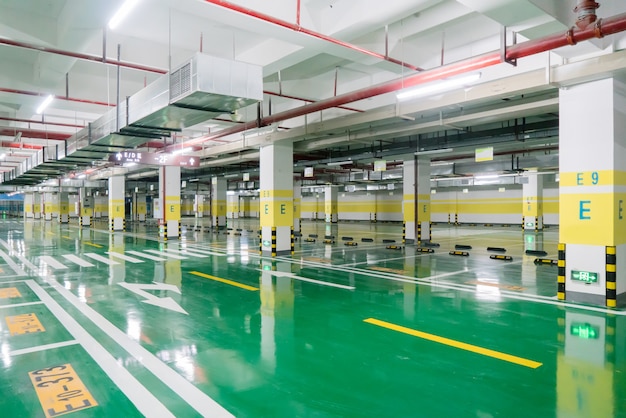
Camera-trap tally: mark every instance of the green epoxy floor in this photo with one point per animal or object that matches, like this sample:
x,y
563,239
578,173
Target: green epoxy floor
x,y
227,332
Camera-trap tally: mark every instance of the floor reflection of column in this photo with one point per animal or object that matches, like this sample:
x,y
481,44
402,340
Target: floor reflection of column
x,y
117,272
409,289
585,367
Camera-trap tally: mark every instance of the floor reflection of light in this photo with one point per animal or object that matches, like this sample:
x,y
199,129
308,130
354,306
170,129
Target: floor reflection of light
x,y
216,312
133,328
246,323
6,357
82,293
186,367
489,290
67,284
231,259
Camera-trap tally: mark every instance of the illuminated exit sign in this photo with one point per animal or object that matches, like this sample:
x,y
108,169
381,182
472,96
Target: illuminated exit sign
x,y
149,158
586,331
585,276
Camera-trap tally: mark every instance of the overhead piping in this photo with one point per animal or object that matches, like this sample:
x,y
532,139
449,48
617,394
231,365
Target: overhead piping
x,y
42,122
33,133
69,99
298,28
586,10
602,28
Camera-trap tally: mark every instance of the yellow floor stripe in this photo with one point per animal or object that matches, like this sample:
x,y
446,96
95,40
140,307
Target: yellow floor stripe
x,y
92,244
65,236
230,282
457,344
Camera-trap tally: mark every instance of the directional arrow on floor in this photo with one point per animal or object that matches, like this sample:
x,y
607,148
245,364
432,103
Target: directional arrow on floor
x,y
165,303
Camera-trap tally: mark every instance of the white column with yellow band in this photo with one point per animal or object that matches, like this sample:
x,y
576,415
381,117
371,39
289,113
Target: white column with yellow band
x,y
37,205
408,200
592,191
140,206
198,206
331,195
423,198
28,205
297,204
276,199
218,201
532,191
64,207
169,195
85,207
117,209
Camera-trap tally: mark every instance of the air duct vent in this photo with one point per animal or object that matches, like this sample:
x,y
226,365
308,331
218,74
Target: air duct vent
x,y
180,82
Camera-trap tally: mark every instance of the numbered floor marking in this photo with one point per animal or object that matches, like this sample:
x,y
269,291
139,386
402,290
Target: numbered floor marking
x,y
60,390
10,293
52,262
77,260
24,324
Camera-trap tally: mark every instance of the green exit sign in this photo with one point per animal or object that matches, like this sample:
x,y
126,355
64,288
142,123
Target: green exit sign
x,y
586,331
585,276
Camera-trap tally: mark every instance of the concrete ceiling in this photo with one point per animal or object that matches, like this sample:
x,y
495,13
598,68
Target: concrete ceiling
x,y
164,33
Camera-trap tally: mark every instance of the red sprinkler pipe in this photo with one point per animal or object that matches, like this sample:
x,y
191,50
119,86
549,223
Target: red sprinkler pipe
x,y
586,10
296,27
69,99
33,133
78,55
6,144
602,28
38,122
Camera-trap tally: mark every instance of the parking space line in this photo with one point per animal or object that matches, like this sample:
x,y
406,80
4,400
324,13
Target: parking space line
x,y
52,262
77,260
185,252
148,256
164,254
18,270
143,399
226,281
124,257
42,347
456,344
101,259
19,305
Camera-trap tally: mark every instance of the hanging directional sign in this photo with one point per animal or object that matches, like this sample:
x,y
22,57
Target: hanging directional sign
x,y
150,158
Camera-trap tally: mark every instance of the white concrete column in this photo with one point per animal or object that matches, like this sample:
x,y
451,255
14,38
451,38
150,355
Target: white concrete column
x,y
198,206
423,199
117,208
64,207
37,205
232,205
592,193
141,209
331,194
86,204
169,196
408,201
50,205
276,199
416,200
28,205
297,205
218,201
532,191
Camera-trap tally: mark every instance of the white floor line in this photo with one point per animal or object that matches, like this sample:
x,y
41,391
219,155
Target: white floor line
x,y
18,270
52,262
124,257
18,305
197,399
145,401
148,256
77,260
42,348
185,252
164,254
201,251
101,259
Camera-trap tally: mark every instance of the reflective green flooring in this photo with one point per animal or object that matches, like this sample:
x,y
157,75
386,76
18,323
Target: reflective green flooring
x,y
100,324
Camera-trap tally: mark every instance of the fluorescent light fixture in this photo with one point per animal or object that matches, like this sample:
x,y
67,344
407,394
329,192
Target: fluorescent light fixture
x,y
45,104
130,164
439,86
181,150
434,151
193,180
487,177
335,163
3,156
82,176
122,12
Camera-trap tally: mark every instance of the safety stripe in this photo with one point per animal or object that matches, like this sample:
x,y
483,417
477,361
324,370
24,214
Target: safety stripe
x,y
561,273
611,273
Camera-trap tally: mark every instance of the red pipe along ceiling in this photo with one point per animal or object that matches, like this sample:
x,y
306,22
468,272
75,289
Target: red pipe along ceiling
x,y
69,99
296,27
33,133
6,144
603,27
42,122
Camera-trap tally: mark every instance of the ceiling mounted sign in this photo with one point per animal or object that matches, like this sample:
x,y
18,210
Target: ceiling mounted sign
x,y
149,158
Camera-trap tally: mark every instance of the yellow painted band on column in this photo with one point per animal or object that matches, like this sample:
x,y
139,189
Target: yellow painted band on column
x,y
593,178
593,218
36,208
116,208
276,213
423,206
142,209
171,210
297,209
218,207
86,211
532,206
408,207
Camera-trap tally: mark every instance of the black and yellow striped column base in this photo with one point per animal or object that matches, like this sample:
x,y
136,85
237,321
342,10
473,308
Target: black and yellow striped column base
x,y
561,273
165,232
404,232
611,277
274,241
293,242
